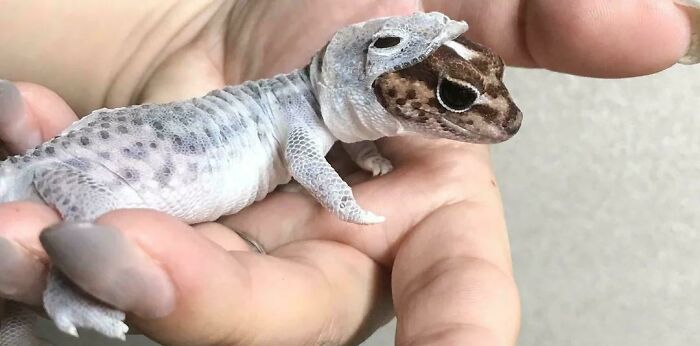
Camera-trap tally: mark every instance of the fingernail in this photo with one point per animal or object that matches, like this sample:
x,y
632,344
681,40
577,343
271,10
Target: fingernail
x,y
107,265
10,99
693,54
21,275
14,127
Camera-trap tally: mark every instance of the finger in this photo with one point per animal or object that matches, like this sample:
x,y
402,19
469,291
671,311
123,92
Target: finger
x,y
23,262
452,279
184,289
30,114
588,37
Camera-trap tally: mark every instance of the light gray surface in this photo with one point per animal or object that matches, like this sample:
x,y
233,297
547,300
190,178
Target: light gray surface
x,y
602,189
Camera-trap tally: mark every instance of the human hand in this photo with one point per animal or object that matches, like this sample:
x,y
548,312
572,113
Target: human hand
x,y
447,252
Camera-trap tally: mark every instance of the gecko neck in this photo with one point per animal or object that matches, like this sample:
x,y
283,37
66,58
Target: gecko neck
x,y
350,112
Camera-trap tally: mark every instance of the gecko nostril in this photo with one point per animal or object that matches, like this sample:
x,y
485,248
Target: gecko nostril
x,y
513,124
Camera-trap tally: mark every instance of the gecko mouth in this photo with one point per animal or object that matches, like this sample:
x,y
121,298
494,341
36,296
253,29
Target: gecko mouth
x,y
490,135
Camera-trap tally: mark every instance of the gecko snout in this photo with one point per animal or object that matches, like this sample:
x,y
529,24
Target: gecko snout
x,y
513,123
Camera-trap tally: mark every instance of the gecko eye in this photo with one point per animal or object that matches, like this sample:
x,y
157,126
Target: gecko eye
x,y
386,42
456,97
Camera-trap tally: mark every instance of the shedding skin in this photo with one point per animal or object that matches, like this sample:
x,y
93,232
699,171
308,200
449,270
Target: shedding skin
x,y
206,157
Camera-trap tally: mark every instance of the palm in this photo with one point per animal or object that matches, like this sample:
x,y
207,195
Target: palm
x,y
428,174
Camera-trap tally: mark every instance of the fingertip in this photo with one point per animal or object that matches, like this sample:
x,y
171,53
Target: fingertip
x,y
603,38
18,130
48,109
30,114
103,262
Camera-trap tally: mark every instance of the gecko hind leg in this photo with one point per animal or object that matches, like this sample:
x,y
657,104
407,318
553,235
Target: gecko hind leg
x,y
77,197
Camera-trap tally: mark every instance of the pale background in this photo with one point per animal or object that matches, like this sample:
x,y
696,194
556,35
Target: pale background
x,y
602,190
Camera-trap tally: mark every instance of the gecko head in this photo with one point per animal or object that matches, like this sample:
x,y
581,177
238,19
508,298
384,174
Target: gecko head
x,y
413,74
455,92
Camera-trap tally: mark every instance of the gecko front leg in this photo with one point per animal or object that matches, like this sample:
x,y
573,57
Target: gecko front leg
x,y
309,167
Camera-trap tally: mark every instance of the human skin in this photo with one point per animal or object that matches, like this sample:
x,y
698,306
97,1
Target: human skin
x,y
441,263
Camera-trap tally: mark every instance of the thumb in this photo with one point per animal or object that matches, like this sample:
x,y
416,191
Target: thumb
x,y
30,114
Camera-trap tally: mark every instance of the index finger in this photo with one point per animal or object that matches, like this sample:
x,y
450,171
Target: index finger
x,y
597,38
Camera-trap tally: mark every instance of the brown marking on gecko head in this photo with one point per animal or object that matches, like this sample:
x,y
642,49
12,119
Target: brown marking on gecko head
x,y
456,92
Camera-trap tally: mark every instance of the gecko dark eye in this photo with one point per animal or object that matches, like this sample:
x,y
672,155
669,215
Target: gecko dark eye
x,y
386,42
456,97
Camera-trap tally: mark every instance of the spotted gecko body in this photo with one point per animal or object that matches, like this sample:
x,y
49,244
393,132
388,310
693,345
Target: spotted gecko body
x,y
206,157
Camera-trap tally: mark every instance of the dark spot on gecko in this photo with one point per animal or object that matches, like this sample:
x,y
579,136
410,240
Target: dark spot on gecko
x,y
130,175
105,155
92,123
104,134
470,122
13,159
121,118
136,153
78,163
158,125
485,111
411,94
401,101
139,144
153,145
122,129
160,136
50,150
416,105
105,125
433,102
164,175
177,140
137,121
26,159
36,153
391,92
84,141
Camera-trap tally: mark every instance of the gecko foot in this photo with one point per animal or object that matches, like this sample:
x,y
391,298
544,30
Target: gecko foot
x,y
70,309
362,217
376,164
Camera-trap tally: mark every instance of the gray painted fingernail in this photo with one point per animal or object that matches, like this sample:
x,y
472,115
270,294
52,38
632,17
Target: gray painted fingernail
x,y
10,99
21,275
107,265
15,130
693,54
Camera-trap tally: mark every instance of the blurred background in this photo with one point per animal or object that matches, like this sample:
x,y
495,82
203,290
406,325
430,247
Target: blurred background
x,y
602,195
